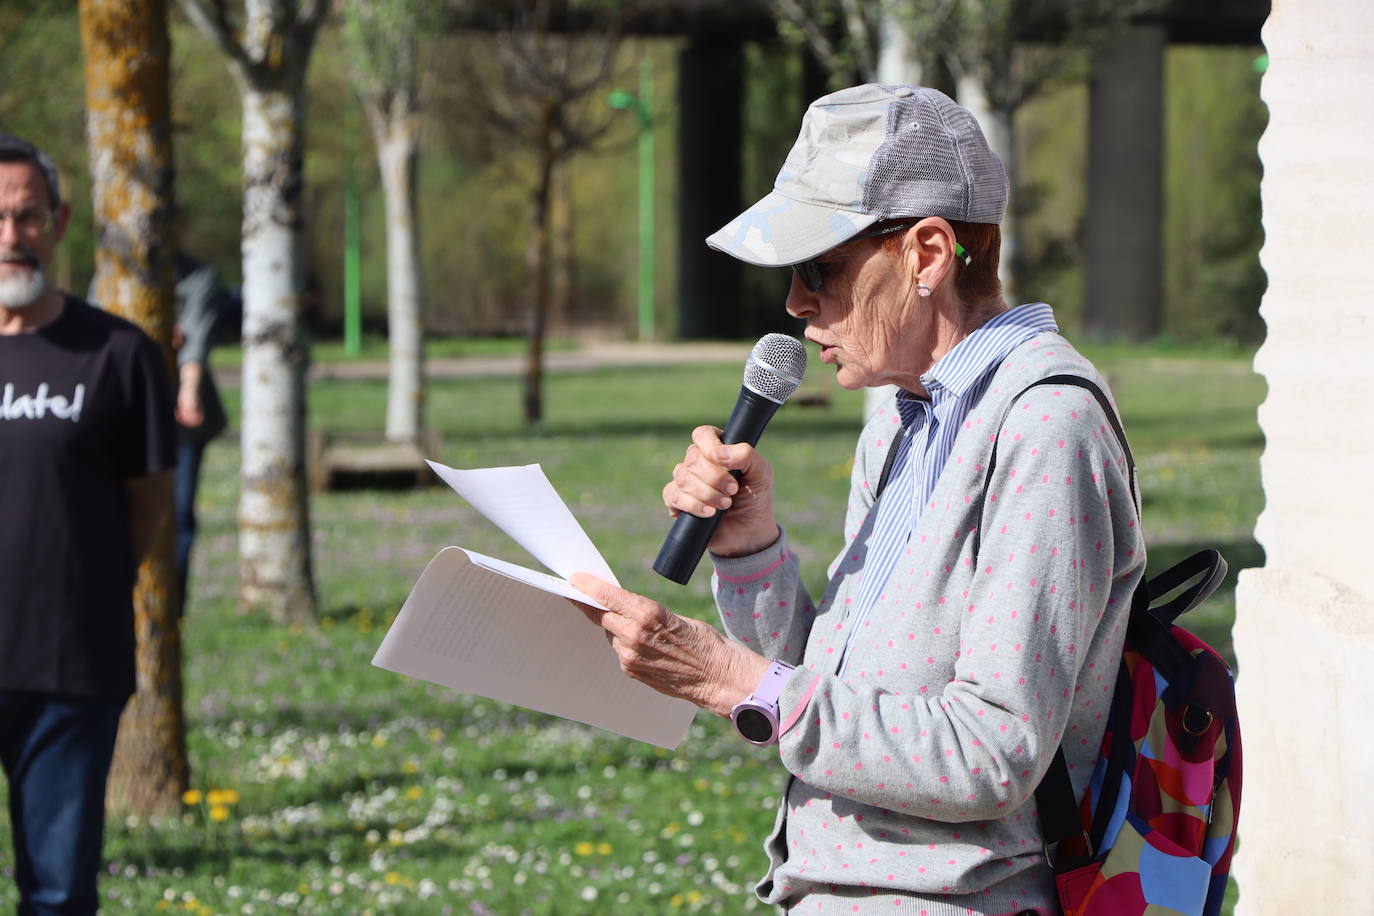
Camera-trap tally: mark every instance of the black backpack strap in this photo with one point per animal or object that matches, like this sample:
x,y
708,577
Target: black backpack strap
x,y
1055,803
1207,567
1080,382
887,464
1054,797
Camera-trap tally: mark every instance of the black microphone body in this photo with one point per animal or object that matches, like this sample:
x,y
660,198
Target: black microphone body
x,y
687,539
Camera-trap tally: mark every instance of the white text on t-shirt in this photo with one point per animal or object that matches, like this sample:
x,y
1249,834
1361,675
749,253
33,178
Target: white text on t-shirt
x,y
36,406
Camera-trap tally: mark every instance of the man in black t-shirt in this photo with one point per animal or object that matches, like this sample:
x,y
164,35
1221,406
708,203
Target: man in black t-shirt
x,y
86,441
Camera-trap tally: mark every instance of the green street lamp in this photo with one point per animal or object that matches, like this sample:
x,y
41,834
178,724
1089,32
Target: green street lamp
x,y
353,258
625,100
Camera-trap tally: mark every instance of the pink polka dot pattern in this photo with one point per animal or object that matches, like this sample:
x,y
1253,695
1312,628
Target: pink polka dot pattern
x,y
968,671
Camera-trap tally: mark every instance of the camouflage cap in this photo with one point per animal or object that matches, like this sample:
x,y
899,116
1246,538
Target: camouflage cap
x,y
865,154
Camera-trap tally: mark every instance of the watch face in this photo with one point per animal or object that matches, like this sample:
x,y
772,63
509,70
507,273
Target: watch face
x,y
754,726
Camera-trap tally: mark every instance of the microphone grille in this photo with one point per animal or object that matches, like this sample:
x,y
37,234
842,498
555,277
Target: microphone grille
x,y
775,367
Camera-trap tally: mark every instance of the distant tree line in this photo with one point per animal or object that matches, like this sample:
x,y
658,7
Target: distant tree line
x,y
472,200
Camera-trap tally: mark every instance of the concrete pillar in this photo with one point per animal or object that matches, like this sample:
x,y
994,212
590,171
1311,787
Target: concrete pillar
x,y
1304,633
710,117
1123,267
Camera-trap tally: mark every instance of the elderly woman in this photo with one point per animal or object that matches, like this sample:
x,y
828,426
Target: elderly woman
x,y
974,619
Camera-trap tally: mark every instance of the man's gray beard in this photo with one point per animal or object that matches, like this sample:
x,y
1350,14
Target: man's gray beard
x,y
21,290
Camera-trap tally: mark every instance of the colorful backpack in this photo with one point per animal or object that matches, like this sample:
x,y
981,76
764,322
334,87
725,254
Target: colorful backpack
x,y
1156,828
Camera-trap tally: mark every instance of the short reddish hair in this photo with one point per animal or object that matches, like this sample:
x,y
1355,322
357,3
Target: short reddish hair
x,y
977,281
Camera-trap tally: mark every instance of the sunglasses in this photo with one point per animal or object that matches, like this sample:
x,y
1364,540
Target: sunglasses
x,y
812,273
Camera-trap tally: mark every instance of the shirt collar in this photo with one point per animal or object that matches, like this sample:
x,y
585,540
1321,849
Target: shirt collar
x,y
968,361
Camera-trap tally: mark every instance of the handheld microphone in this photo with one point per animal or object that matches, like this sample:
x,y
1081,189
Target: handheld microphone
x,y
772,374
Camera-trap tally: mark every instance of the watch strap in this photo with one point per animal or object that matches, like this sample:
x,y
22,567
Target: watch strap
x,y
770,685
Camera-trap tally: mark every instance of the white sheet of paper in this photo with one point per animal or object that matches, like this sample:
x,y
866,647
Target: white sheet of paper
x,y
522,503
491,628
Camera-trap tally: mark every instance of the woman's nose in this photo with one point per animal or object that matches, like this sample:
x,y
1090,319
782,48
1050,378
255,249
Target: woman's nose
x,y
801,302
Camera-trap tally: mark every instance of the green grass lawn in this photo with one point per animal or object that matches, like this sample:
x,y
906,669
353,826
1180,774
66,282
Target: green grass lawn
x,y
357,791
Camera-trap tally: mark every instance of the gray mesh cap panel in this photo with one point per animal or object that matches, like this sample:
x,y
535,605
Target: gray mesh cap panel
x,y
934,162
863,154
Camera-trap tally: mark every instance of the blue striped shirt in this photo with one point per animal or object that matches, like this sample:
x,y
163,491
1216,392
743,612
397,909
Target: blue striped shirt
x,y
955,384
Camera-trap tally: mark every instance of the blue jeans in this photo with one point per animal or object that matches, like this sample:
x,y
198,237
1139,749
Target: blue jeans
x,y
56,753
185,482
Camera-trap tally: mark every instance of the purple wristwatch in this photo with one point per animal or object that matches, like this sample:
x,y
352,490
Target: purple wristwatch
x,y
756,716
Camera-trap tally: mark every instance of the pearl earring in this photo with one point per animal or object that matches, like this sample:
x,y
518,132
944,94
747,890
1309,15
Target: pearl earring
x,y
922,290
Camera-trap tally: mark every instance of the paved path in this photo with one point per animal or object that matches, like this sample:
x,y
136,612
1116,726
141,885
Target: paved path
x,y
595,355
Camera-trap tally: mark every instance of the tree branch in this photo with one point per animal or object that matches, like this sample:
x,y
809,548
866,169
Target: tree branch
x,y
812,32
211,17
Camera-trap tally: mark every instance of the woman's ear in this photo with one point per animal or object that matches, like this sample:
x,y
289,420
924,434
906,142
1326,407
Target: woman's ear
x,y
930,249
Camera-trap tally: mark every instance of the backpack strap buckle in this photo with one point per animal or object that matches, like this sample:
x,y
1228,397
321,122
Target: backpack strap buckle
x,y
1078,861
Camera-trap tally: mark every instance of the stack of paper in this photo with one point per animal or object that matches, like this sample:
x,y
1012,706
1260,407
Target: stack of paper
x,y
491,628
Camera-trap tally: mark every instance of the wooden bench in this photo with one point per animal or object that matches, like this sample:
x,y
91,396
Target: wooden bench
x,y
337,458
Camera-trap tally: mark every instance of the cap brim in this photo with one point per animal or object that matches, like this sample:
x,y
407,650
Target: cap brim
x,y
778,231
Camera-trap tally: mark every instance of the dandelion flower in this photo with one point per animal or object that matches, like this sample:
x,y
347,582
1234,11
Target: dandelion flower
x,y
584,848
191,797
603,849
219,813
414,792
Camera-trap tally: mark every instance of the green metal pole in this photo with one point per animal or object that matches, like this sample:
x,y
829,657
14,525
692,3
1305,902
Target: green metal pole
x,y
647,246
353,319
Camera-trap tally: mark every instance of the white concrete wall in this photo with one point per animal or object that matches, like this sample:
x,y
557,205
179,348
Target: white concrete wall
x,y
1304,632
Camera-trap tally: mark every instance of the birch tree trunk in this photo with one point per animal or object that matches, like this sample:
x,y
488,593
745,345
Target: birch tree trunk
x,y
998,123
1000,129
275,570
128,125
394,134
267,56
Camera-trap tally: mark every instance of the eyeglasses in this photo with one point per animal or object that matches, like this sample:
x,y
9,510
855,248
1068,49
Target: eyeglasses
x,y
29,220
812,273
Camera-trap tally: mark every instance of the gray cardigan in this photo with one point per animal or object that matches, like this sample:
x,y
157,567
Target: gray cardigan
x,y
914,773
